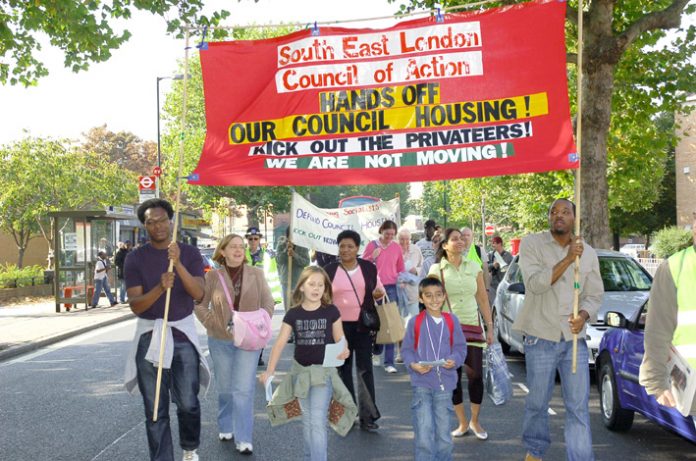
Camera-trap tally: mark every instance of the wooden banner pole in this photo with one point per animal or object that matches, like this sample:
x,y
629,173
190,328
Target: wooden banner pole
x,y
578,180
163,340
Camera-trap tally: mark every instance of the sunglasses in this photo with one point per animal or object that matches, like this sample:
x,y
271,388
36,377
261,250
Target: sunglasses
x,y
253,238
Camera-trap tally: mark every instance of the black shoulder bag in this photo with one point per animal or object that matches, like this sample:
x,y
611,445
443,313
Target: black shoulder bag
x,y
369,318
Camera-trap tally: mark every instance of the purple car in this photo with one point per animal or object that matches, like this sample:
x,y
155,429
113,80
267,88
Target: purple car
x,y
620,395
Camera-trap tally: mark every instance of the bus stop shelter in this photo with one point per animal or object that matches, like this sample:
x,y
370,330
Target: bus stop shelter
x,y
78,236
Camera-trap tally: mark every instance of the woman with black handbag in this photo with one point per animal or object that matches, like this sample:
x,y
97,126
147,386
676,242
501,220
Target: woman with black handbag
x,y
466,296
355,286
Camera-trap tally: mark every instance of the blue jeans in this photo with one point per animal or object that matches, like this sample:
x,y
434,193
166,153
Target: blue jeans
x,y
389,348
315,410
122,290
432,419
182,381
543,359
98,285
235,380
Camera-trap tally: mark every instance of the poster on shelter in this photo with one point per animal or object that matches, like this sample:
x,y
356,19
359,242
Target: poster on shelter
x,y
470,95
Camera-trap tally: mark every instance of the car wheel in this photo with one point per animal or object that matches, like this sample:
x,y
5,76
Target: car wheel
x,y
496,332
614,417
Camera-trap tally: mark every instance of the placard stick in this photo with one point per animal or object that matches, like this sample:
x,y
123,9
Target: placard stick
x,y
163,340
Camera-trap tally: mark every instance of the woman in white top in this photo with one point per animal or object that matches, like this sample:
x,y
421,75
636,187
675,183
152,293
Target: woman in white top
x,y
408,281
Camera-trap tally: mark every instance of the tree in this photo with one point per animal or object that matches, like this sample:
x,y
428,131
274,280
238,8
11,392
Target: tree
x,y
43,175
124,149
663,212
83,30
627,80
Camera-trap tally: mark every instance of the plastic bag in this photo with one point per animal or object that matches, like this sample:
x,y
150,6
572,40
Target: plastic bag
x,y
498,385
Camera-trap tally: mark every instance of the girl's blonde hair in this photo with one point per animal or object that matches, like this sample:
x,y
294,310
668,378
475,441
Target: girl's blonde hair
x,y
218,257
326,297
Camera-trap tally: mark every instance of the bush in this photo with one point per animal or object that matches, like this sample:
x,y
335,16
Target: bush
x,y
12,277
670,240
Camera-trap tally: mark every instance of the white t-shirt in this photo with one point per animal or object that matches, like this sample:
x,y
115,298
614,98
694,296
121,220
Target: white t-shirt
x,y
101,264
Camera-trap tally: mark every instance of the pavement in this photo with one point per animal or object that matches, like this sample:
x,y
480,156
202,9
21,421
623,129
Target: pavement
x,y
33,323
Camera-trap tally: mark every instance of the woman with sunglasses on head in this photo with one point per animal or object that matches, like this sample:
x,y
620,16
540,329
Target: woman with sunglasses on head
x,y
466,296
235,368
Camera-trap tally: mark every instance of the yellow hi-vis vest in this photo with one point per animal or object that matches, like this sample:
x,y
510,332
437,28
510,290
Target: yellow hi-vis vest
x,y
473,255
682,266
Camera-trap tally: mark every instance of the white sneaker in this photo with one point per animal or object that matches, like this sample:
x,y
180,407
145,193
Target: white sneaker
x,y
225,436
390,369
190,455
376,360
245,448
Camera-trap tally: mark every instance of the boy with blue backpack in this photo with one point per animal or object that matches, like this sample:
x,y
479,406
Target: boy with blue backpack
x,y
433,349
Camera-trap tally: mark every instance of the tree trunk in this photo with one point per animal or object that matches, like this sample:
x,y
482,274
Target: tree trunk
x,y
20,257
617,240
594,212
252,216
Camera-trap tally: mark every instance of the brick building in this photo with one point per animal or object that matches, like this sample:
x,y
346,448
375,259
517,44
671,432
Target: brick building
x,y
686,165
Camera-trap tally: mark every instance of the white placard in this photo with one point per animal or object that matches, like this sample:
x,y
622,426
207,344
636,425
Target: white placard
x,y
317,228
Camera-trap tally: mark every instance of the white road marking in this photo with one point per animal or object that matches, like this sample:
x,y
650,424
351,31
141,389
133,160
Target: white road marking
x,y
526,391
118,439
68,342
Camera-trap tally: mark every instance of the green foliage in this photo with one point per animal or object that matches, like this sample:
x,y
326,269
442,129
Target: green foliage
x,y
124,149
43,175
12,276
670,240
82,29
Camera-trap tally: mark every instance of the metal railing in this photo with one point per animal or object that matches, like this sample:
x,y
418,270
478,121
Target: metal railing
x,y
650,264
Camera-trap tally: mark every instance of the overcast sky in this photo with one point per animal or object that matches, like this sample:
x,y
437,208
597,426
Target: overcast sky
x,y
122,91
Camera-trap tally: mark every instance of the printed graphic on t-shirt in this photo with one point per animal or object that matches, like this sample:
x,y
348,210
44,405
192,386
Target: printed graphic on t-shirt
x,y
311,332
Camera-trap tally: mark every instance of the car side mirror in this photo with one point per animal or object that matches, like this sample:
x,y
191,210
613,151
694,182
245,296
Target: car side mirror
x,y
615,319
516,288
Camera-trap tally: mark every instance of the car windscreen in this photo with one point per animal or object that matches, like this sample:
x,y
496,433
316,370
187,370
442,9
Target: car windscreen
x,y
623,274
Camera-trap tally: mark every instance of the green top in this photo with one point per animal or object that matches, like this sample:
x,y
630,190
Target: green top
x,y
461,286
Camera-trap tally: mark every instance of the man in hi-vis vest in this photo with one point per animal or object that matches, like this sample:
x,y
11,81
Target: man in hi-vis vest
x,y
671,320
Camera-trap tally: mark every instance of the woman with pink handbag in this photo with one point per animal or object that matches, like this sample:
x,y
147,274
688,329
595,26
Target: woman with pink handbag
x,y
236,312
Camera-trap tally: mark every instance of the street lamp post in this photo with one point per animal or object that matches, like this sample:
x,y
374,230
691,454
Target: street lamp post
x,y
159,147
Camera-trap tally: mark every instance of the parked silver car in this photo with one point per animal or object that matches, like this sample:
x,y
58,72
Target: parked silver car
x,y
626,288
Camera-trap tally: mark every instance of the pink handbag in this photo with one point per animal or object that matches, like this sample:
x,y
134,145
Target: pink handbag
x,y
251,330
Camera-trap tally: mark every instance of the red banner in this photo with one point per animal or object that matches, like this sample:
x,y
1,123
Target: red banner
x,y
476,94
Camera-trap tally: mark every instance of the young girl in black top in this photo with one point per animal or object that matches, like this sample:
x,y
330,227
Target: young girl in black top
x,y
315,322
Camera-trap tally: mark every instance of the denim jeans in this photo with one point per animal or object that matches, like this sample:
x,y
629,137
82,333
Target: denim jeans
x,y
432,419
360,345
315,410
182,381
98,285
389,348
235,380
543,359
122,290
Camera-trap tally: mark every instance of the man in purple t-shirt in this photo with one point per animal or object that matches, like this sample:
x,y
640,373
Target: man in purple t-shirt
x,y
147,281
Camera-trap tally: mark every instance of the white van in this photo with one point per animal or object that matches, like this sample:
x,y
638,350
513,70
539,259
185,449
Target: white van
x,y
632,249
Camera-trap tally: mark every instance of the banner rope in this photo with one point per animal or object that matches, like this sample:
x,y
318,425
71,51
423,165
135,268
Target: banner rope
x,y
435,12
